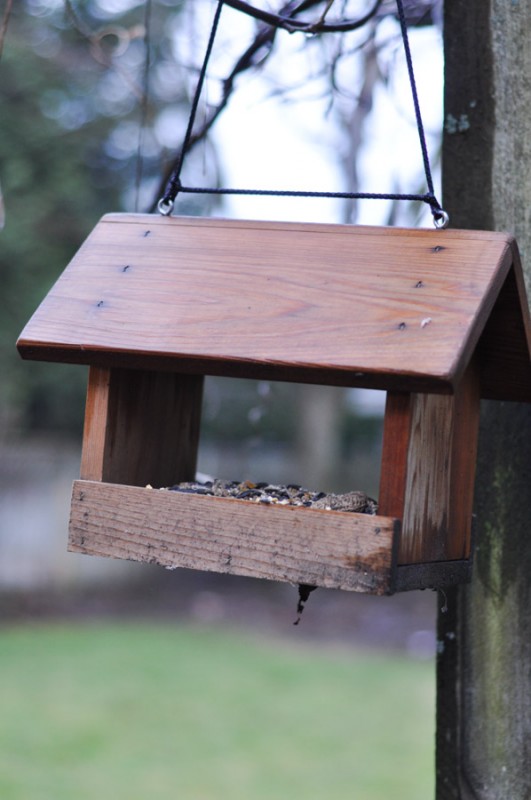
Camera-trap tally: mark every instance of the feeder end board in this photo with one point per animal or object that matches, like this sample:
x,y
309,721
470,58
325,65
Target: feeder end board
x,y
330,549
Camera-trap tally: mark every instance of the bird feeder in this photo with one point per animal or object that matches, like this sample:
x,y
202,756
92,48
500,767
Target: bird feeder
x,y
438,319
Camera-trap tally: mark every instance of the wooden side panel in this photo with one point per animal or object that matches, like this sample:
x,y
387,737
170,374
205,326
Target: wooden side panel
x,y
433,575
426,517
96,424
441,464
395,447
464,462
141,427
321,548
504,347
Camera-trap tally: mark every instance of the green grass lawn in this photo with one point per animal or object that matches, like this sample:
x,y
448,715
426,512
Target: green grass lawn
x,y
153,712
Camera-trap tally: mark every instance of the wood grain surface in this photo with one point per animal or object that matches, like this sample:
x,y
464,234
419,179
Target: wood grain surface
x,y
356,306
141,427
331,549
395,448
428,470
441,468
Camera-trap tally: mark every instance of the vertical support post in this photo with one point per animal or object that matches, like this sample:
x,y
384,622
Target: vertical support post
x,y
141,427
484,640
428,468
395,447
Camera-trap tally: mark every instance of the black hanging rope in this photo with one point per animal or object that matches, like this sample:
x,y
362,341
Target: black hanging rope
x,y
174,185
144,103
414,94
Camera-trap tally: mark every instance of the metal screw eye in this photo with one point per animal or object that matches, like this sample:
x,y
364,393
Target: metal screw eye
x,y
441,220
165,207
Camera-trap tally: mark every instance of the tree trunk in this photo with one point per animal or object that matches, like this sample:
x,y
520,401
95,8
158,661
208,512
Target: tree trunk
x,y
484,663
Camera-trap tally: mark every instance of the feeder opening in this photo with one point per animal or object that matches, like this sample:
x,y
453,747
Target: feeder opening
x,y
324,439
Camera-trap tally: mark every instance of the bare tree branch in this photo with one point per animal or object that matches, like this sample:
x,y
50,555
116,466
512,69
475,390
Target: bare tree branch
x,y
262,45
257,52
292,25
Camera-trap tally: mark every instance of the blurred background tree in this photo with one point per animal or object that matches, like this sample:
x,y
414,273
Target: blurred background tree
x,y
95,99
77,139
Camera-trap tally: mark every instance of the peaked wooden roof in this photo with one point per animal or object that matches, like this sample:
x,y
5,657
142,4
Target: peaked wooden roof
x,y
346,305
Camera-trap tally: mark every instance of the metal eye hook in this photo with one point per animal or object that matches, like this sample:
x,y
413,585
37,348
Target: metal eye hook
x,y
165,206
442,220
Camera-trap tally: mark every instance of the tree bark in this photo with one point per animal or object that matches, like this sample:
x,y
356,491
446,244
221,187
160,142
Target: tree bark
x,y
484,662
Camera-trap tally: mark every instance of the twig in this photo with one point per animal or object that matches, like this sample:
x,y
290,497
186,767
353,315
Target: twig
x,y
256,54
293,25
5,22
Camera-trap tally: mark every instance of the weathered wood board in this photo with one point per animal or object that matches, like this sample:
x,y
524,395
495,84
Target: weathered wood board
x,y
330,549
141,427
428,468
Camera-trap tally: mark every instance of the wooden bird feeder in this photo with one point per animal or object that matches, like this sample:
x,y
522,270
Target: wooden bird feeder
x,y
438,319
